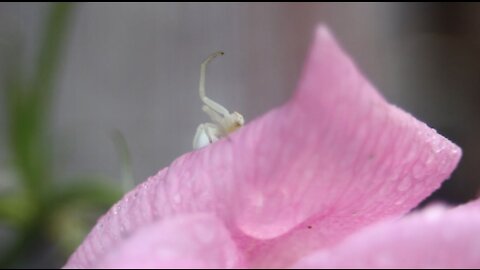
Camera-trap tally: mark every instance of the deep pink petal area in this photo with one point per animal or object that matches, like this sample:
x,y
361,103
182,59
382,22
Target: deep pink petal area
x,y
187,241
434,238
334,159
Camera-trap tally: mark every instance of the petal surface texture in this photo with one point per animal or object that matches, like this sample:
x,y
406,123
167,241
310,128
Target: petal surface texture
x,y
334,159
191,241
436,237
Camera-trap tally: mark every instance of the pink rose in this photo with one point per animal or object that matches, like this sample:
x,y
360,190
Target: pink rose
x,y
318,182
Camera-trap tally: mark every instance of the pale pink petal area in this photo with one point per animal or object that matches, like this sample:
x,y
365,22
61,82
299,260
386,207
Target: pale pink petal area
x,y
433,238
334,159
187,241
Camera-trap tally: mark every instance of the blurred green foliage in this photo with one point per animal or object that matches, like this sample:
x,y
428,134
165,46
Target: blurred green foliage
x,y
43,211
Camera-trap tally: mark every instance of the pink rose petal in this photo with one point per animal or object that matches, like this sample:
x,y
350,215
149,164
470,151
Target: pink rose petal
x,y
192,241
334,159
433,238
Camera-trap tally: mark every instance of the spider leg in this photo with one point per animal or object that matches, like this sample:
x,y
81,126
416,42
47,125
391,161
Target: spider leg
x,y
214,115
201,89
215,106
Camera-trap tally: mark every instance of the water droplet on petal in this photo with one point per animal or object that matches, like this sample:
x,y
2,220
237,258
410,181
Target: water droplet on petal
x,y
116,208
399,201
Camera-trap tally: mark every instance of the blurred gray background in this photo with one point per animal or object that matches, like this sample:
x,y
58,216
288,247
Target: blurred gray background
x,y
135,68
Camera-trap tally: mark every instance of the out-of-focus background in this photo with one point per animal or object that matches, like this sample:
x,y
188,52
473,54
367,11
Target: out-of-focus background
x,y
95,96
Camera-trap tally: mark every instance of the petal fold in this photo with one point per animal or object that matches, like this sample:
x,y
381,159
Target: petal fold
x,y
436,237
186,241
304,176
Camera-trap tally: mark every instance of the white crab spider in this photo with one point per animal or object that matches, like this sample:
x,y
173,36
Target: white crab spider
x,y
224,122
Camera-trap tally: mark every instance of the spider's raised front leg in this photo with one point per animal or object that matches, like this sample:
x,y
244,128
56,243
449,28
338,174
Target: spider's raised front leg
x,y
201,89
214,115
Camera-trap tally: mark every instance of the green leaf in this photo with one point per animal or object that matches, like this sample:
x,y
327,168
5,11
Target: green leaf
x,y
48,58
16,210
123,153
28,105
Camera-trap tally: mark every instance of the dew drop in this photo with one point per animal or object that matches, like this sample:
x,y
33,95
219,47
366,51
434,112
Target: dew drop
x,y
115,210
455,151
438,147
